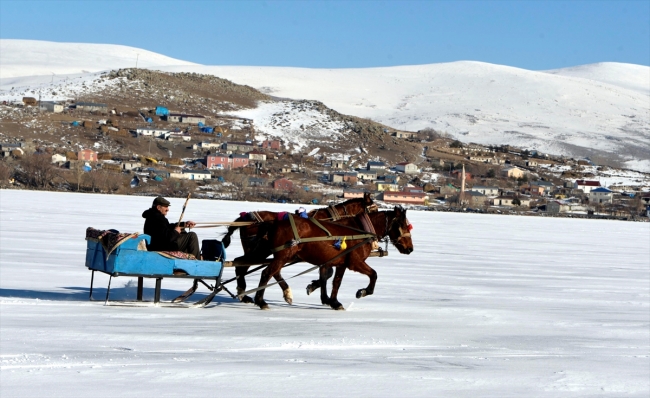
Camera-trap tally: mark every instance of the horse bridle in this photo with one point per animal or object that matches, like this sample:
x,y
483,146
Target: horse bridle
x,y
402,234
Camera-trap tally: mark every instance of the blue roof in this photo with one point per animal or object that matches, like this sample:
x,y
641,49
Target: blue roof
x,y
601,189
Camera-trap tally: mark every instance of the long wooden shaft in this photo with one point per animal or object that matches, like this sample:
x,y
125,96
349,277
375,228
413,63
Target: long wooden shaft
x,y
184,206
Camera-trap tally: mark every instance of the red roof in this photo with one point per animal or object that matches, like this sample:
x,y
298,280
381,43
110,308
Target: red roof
x,y
588,183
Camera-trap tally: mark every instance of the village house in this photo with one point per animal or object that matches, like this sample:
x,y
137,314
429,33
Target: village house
x,y
217,161
487,191
407,168
131,165
507,201
350,177
458,174
475,198
338,164
512,172
191,175
411,188
271,144
404,134
207,145
482,159
376,166
152,132
386,186
391,178
184,118
231,147
600,195
540,187
238,161
257,182
555,207
417,198
531,163
91,107
353,193
586,185
87,155
366,175
257,156
283,184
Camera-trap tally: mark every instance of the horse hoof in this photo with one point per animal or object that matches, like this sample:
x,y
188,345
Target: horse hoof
x,y
247,300
361,293
264,306
288,296
310,289
338,307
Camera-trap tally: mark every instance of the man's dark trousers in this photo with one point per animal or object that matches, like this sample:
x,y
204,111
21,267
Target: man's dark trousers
x,y
189,243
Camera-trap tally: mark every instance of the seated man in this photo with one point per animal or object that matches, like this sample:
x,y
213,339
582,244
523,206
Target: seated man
x,y
166,236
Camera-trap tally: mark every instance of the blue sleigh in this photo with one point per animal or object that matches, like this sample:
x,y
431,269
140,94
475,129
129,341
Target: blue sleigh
x,y
118,254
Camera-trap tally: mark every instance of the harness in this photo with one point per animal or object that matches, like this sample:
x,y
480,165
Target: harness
x,y
365,234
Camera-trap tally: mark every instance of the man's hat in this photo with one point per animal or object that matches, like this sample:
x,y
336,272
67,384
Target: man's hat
x,y
160,201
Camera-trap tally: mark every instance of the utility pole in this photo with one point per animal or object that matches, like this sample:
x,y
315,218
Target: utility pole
x,y
136,60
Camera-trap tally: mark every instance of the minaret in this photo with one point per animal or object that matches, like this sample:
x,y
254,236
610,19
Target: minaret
x,y
462,186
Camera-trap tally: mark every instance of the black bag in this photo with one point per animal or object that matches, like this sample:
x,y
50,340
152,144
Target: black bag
x,y
211,250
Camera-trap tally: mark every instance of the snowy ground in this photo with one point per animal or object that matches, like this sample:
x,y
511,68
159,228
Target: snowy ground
x,y
485,306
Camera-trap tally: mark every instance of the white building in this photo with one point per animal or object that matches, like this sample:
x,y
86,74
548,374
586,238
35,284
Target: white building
x,y
407,168
192,175
487,191
50,106
152,131
600,195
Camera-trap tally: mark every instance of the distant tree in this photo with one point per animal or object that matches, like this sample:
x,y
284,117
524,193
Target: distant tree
x,y
37,170
6,172
516,202
456,144
491,173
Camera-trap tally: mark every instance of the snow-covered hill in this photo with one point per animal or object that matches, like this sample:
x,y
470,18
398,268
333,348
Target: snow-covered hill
x,y
20,58
600,110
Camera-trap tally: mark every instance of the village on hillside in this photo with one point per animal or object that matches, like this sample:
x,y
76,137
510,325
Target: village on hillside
x,y
94,147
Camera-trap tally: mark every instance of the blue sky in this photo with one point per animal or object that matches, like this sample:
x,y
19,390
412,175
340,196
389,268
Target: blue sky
x,y
534,35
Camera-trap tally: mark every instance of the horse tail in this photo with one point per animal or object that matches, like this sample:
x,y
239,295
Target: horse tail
x,y
231,230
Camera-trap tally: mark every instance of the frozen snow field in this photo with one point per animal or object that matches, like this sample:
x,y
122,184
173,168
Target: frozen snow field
x,y
497,306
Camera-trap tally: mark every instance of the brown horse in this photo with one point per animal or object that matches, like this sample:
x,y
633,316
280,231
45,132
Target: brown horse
x,y
287,248
257,250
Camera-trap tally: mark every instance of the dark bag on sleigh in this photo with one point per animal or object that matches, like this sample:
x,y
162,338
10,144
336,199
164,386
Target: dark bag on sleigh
x,y
211,250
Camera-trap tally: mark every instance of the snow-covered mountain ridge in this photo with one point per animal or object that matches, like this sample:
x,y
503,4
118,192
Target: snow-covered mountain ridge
x,y
599,110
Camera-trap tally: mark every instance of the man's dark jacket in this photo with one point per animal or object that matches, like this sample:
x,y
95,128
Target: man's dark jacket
x,y
163,235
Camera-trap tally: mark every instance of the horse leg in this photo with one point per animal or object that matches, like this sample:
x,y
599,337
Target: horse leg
x,y
365,269
268,272
324,273
240,272
336,283
316,283
286,290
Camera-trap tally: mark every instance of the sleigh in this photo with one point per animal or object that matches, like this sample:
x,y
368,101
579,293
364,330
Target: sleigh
x,y
122,254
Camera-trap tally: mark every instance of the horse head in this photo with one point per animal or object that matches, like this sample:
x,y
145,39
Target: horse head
x,y
399,230
369,205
